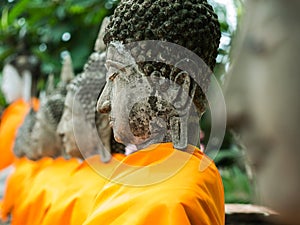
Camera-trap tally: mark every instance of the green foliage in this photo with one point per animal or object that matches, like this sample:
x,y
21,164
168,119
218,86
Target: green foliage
x,y
229,160
2,102
47,28
236,185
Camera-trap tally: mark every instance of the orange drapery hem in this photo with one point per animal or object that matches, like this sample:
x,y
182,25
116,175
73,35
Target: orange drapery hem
x,y
18,186
74,203
183,188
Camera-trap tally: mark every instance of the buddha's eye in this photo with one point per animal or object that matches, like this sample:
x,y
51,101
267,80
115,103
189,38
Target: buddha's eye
x,y
112,73
113,76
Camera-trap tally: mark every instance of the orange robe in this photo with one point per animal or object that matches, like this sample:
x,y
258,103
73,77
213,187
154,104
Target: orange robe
x,y
45,189
75,202
15,185
18,187
161,185
11,120
1,203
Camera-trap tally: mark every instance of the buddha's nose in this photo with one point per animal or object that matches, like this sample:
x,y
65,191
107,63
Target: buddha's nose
x,y
104,104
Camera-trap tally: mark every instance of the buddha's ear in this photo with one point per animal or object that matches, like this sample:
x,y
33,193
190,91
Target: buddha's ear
x,y
189,70
183,79
179,132
185,92
183,104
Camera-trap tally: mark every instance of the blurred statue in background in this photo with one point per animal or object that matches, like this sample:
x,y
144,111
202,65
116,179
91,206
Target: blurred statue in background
x,y
17,183
19,85
263,101
46,141
80,117
47,150
20,76
86,136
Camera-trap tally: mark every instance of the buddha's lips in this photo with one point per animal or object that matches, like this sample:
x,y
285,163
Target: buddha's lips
x,y
111,121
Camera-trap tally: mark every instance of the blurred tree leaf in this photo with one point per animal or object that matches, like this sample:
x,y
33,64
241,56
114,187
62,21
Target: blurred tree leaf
x,y
38,26
237,186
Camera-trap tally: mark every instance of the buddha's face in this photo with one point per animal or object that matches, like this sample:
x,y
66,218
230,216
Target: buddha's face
x,y
140,107
11,83
78,135
70,118
46,142
120,94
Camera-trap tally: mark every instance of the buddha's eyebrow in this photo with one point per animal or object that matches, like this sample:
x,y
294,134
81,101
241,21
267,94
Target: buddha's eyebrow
x,y
117,65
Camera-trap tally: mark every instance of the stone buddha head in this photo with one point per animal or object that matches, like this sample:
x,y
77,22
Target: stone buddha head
x,y
45,141
23,142
150,94
85,132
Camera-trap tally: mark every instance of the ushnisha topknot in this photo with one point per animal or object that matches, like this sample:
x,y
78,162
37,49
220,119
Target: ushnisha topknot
x,y
86,87
96,61
66,75
88,84
192,24
53,104
53,108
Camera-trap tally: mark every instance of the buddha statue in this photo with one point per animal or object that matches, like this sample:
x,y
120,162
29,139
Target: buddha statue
x,y
19,85
21,73
52,168
155,95
80,117
24,170
46,141
81,131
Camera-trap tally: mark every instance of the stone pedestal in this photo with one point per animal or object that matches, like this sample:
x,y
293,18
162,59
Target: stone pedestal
x,y
244,214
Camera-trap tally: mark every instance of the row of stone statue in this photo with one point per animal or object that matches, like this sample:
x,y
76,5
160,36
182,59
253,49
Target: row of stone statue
x,y
51,184
69,168
154,96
